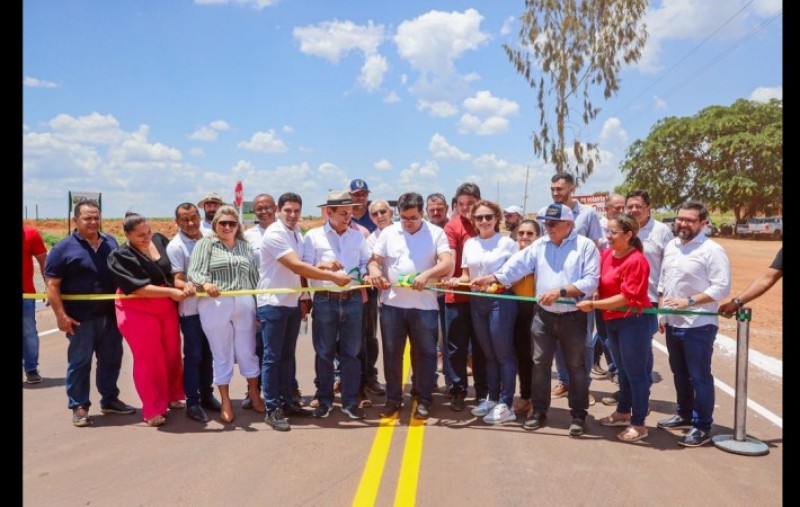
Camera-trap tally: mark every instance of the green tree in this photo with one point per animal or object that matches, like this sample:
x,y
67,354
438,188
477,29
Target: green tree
x,y
731,158
567,47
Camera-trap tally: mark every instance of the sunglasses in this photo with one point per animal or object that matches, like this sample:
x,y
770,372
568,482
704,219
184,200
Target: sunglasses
x,y
228,223
526,233
483,218
551,223
379,212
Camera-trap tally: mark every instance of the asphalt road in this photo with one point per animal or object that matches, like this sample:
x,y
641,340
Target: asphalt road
x,y
453,459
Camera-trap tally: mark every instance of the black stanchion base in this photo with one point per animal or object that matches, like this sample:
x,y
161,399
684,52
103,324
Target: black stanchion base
x,y
747,447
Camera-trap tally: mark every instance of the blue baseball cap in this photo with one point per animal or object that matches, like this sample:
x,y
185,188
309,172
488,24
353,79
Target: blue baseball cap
x,y
357,185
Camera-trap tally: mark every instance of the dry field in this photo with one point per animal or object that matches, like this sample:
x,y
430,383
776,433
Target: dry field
x,y
749,258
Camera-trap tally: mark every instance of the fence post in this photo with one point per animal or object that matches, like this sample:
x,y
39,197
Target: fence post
x,y
739,442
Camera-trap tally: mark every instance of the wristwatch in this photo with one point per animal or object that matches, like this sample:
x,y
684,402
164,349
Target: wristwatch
x,y
738,302
562,292
691,301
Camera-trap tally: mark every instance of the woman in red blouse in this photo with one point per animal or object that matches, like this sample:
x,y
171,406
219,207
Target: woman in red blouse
x,y
624,271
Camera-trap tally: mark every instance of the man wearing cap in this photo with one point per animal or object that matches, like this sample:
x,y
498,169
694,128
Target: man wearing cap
x,y
210,204
513,216
359,193
587,223
567,267
338,317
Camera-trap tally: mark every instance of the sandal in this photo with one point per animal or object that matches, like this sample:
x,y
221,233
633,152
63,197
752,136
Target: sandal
x,y
156,421
631,434
615,421
177,405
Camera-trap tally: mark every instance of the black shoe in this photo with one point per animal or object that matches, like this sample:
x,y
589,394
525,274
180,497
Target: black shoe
x,y
577,427
391,409
535,421
422,412
695,437
295,410
211,403
116,406
297,397
197,413
33,377
414,393
375,387
276,419
674,422
457,403
321,412
353,412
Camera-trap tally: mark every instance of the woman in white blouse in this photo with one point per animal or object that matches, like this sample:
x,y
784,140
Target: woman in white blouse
x,y
492,317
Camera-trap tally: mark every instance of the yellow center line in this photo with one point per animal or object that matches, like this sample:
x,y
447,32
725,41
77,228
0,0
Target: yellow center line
x,y
406,494
373,470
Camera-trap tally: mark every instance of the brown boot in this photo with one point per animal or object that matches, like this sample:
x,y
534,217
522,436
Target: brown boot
x,y
226,412
255,396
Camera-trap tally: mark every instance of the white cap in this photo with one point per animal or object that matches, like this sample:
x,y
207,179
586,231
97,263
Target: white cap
x,y
514,209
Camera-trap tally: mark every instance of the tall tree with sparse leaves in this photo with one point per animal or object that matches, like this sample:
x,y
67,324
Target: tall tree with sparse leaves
x,y
730,157
568,47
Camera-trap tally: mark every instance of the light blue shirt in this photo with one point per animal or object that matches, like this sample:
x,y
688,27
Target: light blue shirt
x,y
576,261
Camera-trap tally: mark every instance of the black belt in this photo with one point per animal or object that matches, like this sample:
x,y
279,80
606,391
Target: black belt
x,y
340,295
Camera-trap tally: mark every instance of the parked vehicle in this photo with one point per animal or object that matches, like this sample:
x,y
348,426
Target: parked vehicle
x,y
762,227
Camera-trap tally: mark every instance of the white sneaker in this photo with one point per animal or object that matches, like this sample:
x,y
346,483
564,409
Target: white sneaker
x,y
500,414
484,407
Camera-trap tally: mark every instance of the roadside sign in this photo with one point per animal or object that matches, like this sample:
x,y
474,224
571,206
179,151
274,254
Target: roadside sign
x,y
239,194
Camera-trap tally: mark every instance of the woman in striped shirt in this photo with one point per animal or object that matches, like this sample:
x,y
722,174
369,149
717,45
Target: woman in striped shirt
x,y
224,261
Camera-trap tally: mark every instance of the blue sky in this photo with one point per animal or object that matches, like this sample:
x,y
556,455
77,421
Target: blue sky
x,y
154,103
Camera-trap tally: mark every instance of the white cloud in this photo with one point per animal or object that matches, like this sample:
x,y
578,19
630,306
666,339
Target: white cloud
x,y
256,4
485,103
440,148
264,142
205,134
508,24
197,152
288,129
219,125
432,42
32,82
382,165
94,128
613,132
438,109
765,93
419,177
659,103
375,66
471,124
391,97
332,40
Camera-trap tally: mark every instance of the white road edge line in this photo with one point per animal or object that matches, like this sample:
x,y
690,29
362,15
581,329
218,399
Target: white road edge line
x,y
725,388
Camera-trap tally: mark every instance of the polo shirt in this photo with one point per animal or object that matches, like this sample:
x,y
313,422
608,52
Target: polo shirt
x,y
278,241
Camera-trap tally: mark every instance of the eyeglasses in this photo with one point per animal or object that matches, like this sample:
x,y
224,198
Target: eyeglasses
x,y
609,232
379,212
551,223
526,233
228,223
687,220
483,218
410,219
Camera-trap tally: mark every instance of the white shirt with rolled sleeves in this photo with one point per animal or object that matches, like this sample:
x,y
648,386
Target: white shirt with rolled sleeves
x,y
485,256
575,262
655,236
253,236
179,252
701,265
323,244
278,241
407,254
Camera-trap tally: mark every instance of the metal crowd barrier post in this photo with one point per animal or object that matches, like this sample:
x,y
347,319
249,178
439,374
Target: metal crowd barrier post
x,y
739,442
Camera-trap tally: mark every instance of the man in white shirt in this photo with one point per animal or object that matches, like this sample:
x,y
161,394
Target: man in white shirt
x,y
209,204
695,275
412,247
338,317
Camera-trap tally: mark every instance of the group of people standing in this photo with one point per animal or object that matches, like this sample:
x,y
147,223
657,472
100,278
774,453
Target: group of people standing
x,y
451,275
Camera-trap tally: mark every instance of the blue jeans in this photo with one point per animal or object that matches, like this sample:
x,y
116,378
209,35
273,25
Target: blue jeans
x,y
493,325
447,370
420,326
280,326
458,336
98,335
198,370
30,337
631,344
569,330
601,336
337,320
690,351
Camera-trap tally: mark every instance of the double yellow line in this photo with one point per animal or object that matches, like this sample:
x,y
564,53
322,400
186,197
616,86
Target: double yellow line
x,y
406,493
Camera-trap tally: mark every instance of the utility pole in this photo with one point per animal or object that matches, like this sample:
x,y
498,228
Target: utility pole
x,y
525,195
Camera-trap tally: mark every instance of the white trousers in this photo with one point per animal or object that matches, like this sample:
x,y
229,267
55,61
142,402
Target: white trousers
x,y
230,325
